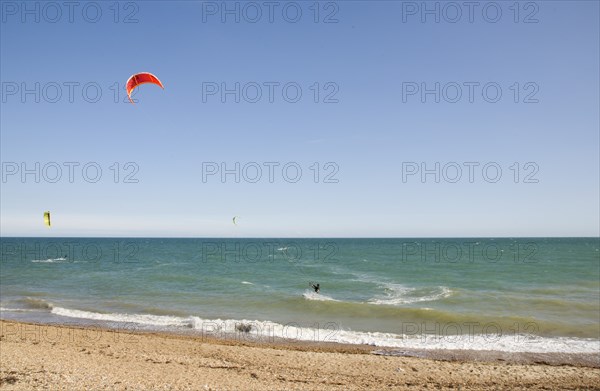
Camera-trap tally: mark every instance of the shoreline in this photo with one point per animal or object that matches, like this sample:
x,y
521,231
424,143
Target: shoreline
x,y
90,332
264,331
35,355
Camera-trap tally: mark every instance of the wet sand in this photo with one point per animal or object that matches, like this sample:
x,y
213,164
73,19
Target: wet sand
x,y
60,357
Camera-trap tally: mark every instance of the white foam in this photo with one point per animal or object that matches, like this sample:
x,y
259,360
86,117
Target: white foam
x,y
309,295
153,320
247,283
398,294
49,260
265,331
4,309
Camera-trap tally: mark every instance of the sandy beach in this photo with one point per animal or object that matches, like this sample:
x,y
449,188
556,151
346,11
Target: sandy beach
x,y
50,357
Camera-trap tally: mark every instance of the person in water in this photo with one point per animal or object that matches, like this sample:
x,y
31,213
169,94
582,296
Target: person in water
x,y
316,287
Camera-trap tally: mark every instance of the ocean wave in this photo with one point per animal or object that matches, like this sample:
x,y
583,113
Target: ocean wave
x,y
396,294
330,332
34,303
399,294
265,331
309,295
145,319
4,309
49,260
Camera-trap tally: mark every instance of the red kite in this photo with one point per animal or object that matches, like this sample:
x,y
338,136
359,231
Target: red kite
x,y
139,79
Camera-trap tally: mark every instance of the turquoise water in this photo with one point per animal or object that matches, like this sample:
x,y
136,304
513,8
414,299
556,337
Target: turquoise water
x,y
508,294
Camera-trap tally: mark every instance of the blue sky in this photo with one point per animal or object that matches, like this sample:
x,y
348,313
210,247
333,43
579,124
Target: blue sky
x,y
369,135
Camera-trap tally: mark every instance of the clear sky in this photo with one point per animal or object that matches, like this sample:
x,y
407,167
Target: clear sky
x,y
369,64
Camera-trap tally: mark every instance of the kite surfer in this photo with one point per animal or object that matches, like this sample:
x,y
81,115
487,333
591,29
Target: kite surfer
x,y
316,287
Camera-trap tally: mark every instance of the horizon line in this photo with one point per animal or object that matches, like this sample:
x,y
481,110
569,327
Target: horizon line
x,y
300,237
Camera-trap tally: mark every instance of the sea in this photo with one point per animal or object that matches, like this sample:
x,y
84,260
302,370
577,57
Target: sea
x,y
501,294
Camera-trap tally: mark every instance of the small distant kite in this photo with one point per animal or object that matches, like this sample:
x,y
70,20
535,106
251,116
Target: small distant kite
x,y
235,220
47,218
139,79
